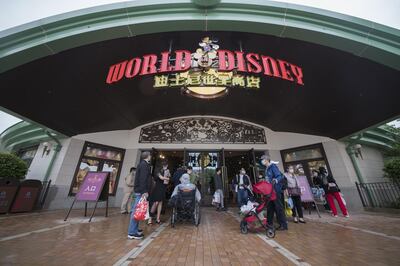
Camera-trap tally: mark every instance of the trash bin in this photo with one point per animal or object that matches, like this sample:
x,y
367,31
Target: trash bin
x,y
8,190
27,195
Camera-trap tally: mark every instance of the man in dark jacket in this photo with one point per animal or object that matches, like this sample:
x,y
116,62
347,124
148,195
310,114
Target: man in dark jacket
x,y
219,189
242,185
177,175
142,188
275,177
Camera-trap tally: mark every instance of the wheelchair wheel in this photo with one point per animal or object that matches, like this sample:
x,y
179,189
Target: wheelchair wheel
x,y
243,227
173,217
197,215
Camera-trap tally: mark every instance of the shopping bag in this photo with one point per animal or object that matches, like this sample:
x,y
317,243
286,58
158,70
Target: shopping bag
x,y
288,210
290,202
141,210
216,199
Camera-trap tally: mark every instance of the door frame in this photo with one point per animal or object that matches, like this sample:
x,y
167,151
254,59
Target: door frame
x,y
306,161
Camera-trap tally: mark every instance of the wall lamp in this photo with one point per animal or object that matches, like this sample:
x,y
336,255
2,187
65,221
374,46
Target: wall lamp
x,y
46,148
356,149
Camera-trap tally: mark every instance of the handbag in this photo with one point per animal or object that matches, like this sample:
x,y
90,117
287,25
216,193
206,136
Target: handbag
x,y
141,210
295,191
333,187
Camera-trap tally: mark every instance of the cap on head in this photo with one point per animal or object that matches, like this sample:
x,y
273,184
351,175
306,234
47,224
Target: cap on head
x,y
266,157
145,155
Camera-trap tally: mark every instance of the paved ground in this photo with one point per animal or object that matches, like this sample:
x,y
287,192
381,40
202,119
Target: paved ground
x,y
45,239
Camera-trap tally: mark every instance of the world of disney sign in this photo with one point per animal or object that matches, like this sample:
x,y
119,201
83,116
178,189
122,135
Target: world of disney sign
x,y
208,72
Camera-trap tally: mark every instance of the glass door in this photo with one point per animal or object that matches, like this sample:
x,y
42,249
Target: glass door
x,y
305,160
204,164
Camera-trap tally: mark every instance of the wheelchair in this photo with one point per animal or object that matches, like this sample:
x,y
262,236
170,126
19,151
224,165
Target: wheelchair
x,y
185,208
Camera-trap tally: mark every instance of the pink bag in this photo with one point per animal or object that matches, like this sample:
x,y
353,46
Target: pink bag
x,y
141,210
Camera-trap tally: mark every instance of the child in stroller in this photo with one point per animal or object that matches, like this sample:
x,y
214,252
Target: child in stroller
x,y
185,202
252,212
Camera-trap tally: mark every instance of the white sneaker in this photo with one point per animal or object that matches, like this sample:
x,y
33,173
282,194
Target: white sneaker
x,y
135,236
334,216
347,216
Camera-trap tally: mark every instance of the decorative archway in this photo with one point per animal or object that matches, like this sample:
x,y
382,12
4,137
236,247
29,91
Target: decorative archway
x,y
55,34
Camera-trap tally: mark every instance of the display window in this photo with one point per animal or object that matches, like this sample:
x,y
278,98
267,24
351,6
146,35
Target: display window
x,y
98,158
305,159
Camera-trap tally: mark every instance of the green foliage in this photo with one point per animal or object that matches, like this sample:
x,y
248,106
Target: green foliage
x,y
12,166
392,169
395,150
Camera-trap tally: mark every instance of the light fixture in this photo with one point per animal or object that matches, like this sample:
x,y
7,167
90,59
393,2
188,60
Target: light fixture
x,y
46,148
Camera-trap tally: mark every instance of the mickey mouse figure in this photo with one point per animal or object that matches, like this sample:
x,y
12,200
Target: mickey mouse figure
x,y
205,55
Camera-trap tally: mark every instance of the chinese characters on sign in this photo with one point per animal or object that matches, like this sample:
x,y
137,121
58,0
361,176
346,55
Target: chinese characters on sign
x,y
208,72
209,78
92,186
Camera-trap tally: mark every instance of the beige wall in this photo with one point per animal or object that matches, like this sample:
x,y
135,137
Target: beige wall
x,y
339,161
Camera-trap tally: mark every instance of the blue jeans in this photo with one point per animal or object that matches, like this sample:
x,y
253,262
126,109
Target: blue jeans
x,y
242,197
134,225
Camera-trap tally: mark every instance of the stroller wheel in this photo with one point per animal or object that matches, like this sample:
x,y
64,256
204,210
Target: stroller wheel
x,y
270,233
243,227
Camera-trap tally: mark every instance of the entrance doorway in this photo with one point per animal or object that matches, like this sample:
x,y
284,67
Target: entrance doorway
x,y
204,164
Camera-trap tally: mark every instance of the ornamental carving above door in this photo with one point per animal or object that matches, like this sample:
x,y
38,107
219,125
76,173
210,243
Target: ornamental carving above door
x,y
202,130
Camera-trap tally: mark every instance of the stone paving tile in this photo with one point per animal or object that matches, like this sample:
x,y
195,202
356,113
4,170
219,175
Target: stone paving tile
x,y
101,242
383,223
321,243
217,241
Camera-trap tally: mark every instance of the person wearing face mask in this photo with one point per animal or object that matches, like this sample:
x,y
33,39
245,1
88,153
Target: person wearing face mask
x,y
316,178
142,186
294,192
275,177
242,184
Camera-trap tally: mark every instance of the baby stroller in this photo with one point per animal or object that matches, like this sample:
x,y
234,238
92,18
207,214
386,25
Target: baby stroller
x,y
185,207
253,218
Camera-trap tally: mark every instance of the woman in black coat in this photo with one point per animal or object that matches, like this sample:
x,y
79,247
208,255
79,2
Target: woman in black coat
x,y
158,194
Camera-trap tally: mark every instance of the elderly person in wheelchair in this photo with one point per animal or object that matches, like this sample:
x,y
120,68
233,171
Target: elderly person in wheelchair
x,y
185,201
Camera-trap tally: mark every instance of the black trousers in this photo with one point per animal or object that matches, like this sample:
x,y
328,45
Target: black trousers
x,y
276,207
297,210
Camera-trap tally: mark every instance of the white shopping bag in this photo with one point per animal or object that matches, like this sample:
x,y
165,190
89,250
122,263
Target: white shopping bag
x,y
216,199
147,214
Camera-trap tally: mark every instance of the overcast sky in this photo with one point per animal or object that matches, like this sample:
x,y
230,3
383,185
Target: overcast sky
x,y
17,12
7,120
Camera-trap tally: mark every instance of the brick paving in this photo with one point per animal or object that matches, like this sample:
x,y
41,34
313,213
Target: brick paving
x,y
364,239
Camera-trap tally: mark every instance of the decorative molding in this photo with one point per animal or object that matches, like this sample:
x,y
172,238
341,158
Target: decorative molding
x,y
202,130
48,36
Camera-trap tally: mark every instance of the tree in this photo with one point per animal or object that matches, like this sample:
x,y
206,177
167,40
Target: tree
x,y
11,166
392,169
392,164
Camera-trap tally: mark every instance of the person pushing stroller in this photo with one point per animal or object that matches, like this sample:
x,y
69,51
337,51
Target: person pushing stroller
x,y
275,177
